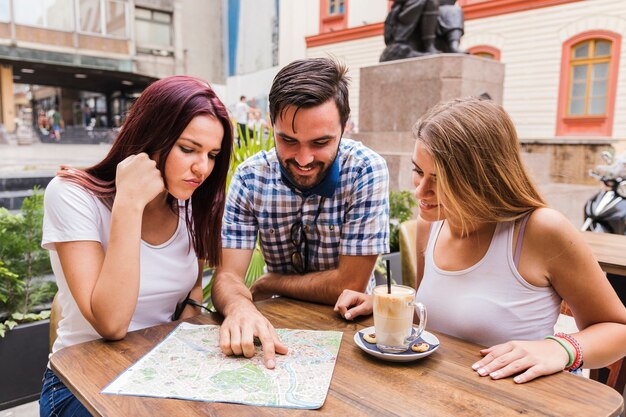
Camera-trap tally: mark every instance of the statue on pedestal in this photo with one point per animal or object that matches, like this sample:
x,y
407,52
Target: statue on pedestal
x,y
422,27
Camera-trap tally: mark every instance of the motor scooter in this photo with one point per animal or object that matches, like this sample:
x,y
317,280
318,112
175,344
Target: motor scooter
x,y
605,212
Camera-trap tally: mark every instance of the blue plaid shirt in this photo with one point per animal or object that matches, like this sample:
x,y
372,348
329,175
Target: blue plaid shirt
x,y
354,220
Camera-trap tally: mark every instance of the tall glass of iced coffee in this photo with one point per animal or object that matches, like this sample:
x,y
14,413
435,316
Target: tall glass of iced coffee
x,y
393,318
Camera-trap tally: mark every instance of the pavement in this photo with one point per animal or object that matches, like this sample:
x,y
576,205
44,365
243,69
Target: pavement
x,y
46,158
24,410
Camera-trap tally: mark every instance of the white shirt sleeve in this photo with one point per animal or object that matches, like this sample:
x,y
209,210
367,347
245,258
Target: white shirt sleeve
x,y
70,214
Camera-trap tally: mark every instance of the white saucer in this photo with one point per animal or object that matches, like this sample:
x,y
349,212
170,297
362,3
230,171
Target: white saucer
x,y
428,337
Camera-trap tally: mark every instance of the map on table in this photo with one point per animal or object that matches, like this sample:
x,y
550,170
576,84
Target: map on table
x,y
189,365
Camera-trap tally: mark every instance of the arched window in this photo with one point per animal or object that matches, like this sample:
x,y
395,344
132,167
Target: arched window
x,y
589,67
485,51
335,7
487,55
333,15
589,75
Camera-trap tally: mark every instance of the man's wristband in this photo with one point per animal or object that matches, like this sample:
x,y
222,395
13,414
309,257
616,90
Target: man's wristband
x,y
187,301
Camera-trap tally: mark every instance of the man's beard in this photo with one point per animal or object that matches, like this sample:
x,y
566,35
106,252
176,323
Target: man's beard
x,y
307,182
303,182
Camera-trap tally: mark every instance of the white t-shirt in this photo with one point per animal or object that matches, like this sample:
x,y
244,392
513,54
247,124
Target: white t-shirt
x,y
241,112
167,271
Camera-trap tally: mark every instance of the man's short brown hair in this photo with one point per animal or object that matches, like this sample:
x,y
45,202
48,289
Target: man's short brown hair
x,y
307,83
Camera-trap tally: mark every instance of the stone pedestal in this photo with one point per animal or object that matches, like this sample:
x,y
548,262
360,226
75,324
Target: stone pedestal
x,y
569,160
393,95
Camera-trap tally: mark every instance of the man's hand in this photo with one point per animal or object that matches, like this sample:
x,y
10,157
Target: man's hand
x,y
242,321
239,329
351,304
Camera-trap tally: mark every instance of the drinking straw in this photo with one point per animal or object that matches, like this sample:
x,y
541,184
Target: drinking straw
x,y
388,265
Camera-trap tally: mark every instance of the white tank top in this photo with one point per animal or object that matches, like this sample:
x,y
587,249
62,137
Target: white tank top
x,y
490,302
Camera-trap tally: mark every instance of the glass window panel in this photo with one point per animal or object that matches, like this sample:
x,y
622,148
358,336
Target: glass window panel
x,y
116,18
597,105
589,82
331,7
600,71
341,7
101,104
598,88
577,106
59,15
161,17
142,32
4,11
29,12
150,33
89,15
143,14
582,50
579,90
161,34
155,30
580,72
603,48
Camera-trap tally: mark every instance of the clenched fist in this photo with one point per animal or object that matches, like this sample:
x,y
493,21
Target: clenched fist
x,y
138,180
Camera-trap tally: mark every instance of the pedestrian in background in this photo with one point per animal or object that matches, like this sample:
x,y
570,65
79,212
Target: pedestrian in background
x,y
242,112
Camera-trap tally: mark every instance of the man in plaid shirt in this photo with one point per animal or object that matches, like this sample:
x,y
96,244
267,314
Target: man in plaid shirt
x,y
318,203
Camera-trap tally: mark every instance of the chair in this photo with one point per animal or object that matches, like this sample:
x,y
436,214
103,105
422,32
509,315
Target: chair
x,y
408,252
616,377
55,317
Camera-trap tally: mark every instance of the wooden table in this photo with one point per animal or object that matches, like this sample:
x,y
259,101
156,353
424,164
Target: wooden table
x,y
442,384
609,250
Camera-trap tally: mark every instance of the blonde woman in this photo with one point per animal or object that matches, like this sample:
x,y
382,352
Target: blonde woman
x,y
494,263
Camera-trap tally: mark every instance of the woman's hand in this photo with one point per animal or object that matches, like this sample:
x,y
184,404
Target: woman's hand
x,y
138,180
351,304
529,359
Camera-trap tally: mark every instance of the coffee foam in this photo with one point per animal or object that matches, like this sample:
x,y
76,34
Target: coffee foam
x,y
395,304
395,290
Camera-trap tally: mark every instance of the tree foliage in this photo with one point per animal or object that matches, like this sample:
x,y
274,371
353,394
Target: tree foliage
x,y
401,206
23,263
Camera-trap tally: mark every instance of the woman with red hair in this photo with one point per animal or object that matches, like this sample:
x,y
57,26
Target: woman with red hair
x,y
128,237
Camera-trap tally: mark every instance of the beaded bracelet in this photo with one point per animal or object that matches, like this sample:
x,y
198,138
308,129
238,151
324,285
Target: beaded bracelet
x,y
578,362
567,348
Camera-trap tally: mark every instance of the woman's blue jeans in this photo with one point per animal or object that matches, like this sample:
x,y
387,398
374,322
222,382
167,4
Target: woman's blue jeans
x,y
57,400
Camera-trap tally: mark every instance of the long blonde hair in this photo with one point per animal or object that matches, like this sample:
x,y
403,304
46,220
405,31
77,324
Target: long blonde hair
x,y
477,162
